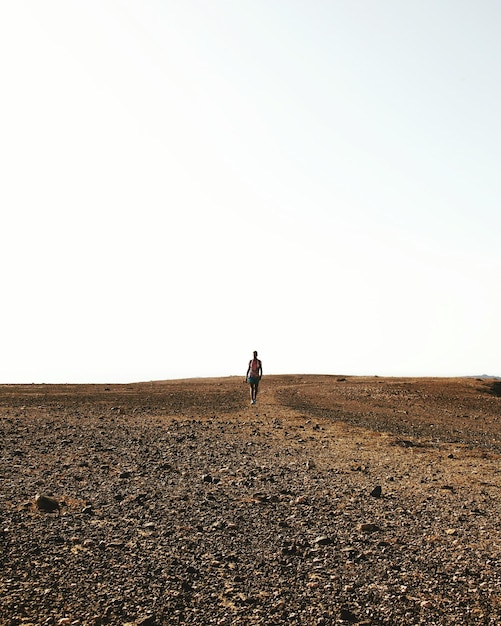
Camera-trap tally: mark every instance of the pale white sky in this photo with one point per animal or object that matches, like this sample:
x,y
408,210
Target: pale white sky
x,y
183,182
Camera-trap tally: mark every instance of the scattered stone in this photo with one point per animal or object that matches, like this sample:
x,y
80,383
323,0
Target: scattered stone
x,y
368,528
347,616
376,492
322,540
406,443
275,543
47,504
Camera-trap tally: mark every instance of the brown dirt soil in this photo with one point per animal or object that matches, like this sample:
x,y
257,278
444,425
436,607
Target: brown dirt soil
x,y
182,504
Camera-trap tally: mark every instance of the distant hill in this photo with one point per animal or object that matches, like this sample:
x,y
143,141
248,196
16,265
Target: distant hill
x,y
488,377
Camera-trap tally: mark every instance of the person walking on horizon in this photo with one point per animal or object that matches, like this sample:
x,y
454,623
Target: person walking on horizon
x,y
253,376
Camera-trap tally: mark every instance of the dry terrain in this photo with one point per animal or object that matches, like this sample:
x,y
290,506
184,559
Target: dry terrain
x,y
333,500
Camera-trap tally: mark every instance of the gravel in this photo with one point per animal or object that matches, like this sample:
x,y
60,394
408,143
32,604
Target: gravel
x,y
179,504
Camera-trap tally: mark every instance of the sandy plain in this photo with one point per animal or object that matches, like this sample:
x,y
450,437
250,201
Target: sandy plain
x,y
179,503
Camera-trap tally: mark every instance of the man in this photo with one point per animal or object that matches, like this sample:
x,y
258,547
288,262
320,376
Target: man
x,y
253,376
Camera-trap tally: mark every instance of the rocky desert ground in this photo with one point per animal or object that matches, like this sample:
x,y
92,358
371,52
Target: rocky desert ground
x,y
333,500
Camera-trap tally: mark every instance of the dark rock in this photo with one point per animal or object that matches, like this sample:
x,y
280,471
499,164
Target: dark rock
x,y
347,616
368,528
376,492
46,504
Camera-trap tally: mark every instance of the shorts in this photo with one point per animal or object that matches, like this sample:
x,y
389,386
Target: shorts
x,y
253,380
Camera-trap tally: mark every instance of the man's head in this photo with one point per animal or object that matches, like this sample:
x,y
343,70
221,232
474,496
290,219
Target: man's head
x,y
255,354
